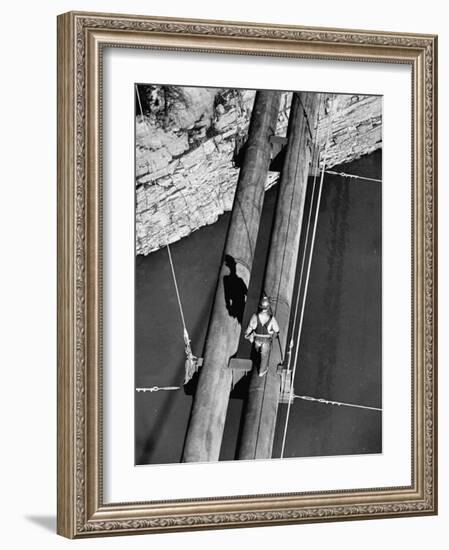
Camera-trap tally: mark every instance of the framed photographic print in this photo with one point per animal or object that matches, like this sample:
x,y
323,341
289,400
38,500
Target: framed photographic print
x,y
246,274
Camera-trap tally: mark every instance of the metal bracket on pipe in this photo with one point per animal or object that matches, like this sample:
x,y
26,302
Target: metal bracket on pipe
x,y
240,364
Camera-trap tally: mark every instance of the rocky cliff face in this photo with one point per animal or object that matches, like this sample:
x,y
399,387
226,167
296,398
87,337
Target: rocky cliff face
x,y
186,142
356,128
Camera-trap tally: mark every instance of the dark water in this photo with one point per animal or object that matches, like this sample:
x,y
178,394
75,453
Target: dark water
x,y
340,345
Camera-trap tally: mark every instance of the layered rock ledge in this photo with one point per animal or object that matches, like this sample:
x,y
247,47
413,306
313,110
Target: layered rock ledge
x,y
186,144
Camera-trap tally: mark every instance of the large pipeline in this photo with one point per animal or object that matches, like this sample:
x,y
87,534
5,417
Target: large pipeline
x,y
264,392
206,424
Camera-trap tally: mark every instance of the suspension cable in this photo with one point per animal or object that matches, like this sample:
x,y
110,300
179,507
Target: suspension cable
x,y
352,176
309,263
306,240
155,389
305,245
338,403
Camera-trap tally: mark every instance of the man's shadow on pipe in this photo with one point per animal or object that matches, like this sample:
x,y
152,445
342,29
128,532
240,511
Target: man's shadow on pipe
x,y
235,290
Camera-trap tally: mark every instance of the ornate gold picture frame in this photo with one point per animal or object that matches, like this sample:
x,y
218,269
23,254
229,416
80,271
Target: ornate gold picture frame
x,y
82,41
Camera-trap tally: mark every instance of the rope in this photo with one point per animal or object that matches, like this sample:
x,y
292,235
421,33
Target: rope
x,y
307,278
191,365
353,176
158,388
138,99
186,334
338,403
177,290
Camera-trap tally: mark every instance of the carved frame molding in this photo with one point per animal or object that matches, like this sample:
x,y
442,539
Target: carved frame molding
x,y
81,37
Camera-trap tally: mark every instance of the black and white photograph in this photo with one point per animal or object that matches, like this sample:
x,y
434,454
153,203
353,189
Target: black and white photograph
x,y
224,282
258,274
